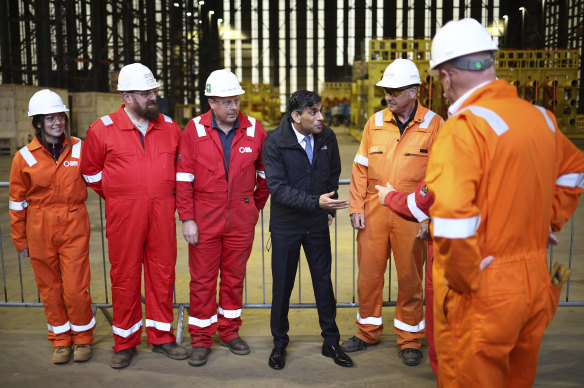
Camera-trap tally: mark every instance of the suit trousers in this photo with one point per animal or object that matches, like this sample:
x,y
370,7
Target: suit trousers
x,y
285,258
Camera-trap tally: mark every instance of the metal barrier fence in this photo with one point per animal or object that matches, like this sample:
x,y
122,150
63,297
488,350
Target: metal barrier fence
x,y
346,294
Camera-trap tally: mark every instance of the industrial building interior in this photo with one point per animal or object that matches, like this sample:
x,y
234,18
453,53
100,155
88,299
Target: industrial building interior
x,y
337,48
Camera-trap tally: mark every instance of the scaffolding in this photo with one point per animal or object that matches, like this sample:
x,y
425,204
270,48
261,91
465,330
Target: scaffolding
x,y
80,45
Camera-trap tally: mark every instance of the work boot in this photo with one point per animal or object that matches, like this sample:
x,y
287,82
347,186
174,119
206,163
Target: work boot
x,y
81,352
410,356
237,346
123,358
354,344
61,354
199,355
171,350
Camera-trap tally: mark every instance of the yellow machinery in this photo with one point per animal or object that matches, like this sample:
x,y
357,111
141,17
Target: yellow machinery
x,y
261,101
335,97
548,78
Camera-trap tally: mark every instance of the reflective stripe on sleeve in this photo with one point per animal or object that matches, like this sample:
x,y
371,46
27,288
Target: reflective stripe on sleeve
x,y
547,118
106,120
167,119
427,119
261,174
251,130
496,123
162,326
92,178
126,333
416,212
379,119
571,180
76,149
202,322
13,205
360,159
185,177
84,327
27,156
456,227
405,327
378,321
199,127
60,329
230,313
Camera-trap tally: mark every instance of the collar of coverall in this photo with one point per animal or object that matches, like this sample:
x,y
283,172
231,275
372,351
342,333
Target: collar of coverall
x,y
36,144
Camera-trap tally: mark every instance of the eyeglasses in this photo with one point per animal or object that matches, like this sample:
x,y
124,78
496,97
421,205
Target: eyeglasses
x,y
228,103
50,119
145,93
396,92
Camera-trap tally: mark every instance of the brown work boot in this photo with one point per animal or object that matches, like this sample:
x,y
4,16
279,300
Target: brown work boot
x,y
123,358
61,354
199,355
237,346
81,352
171,350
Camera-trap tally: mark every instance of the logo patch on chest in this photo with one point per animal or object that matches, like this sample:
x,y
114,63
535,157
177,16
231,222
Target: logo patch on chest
x,y
243,150
71,163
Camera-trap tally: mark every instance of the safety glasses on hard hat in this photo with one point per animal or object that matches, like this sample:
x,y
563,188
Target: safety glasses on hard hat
x,y
396,92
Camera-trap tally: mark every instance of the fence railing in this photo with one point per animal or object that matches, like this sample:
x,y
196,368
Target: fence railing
x,y
19,289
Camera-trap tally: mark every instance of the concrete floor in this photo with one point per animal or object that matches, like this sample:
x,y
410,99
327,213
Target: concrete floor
x,y
25,355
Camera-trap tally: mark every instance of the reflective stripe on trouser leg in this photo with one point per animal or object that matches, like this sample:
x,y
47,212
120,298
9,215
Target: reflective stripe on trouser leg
x,y
74,259
204,268
236,247
373,251
159,271
47,272
126,242
409,255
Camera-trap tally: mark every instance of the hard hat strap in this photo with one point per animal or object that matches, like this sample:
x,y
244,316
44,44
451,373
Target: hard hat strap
x,y
473,64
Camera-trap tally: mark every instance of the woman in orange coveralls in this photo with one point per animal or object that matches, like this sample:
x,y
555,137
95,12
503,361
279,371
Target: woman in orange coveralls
x,y
46,188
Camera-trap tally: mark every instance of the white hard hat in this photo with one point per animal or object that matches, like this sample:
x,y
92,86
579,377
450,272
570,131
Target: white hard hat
x,y
223,83
400,73
460,38
136,76
45,102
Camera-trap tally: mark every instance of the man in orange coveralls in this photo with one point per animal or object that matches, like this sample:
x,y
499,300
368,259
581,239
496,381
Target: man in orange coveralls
x,y
130,162
395,147
502,174
221,186
416,207
49,223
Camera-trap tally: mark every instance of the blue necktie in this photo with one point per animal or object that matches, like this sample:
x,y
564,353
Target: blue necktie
x,y
308,148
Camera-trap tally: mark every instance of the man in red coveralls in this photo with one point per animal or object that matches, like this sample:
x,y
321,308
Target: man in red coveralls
x,y
219,166
129,161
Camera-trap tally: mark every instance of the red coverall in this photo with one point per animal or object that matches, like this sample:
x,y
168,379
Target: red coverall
x,y
135,175
416,207
385,156
49,217
222,201
501,173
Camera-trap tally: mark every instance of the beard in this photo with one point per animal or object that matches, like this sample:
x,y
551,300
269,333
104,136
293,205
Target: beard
x,y
150,111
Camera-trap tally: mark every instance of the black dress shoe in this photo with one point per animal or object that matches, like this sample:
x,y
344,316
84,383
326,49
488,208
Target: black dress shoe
x,y
277,359
336,353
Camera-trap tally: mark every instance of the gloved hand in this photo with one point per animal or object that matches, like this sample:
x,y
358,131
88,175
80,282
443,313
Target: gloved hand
x,y
559,274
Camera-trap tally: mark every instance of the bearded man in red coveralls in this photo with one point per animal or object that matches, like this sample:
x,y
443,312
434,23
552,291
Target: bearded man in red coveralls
x,y
221,187
129,161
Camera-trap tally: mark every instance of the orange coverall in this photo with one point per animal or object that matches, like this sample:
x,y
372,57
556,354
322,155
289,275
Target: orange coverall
x,y
416,207
496,170
48,216
385,156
